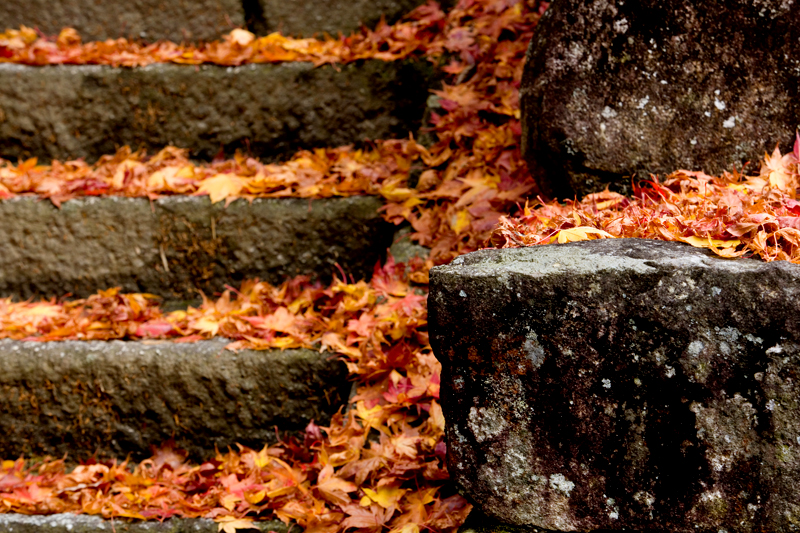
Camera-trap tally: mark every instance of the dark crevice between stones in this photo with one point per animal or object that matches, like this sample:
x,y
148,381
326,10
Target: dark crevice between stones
x,y
255,17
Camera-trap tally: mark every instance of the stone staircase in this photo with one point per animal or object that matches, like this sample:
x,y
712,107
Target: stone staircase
x,y
120,398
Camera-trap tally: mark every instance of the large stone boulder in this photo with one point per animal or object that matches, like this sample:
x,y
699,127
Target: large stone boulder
x,y
613,87
622,384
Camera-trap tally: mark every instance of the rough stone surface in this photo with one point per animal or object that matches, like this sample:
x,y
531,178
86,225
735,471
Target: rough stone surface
x,y
73,523
65,112
622,384
97,243
177,20
121,397
614,87
308,17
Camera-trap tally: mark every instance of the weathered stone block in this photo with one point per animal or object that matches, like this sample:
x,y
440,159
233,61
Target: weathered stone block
x,y
612,88
116,397
622,384
177,20
271,111
176,246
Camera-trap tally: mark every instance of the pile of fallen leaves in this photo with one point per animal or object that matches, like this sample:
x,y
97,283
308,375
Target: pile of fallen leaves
x,y
734,215
379,466
29,47
471,175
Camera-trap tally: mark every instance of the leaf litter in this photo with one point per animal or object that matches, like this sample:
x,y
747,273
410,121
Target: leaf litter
x,y
379,466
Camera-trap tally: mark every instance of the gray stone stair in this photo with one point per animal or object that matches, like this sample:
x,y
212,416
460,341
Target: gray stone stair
x,y
177,246
271,111
179,20
121,397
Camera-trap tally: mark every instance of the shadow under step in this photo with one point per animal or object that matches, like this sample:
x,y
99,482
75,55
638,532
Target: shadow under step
x,y
66,112
115,398
176,246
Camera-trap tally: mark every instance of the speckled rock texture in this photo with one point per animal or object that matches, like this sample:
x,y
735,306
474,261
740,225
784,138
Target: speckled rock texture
x,y
177,20
177,246
622,384
271,111
613,87
121,397
73,523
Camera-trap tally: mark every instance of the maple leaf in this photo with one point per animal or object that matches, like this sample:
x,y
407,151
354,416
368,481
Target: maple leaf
x,y
387,497
229,524
221,186
581,233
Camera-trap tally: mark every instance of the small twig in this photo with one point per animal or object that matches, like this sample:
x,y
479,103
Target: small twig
x,y
163,257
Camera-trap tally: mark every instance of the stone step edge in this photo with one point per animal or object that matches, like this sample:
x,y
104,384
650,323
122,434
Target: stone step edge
x,y
120,398
177,246
77,523
270,110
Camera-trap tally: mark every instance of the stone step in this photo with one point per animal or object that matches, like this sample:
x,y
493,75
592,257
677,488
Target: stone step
x,y
75,523
621,384
67,111
121,397
178,245
179,20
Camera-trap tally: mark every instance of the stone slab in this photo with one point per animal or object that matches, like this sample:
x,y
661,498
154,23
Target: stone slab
x,y
121,397
308,17
612,88
176,246
622,384
151,20
75,523
65,112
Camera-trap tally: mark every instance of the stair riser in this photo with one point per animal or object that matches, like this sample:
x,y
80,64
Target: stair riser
x,y
66,112
177,246
117,398
179,20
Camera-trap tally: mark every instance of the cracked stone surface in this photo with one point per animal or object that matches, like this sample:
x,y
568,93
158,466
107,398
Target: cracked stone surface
x,y
622,384
612,88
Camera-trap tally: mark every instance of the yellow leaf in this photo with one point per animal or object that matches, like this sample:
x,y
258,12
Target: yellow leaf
x,y
221,186
229,501
207,324
708,242
460,222
386,497
255,498
242,37
230,524
580,233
